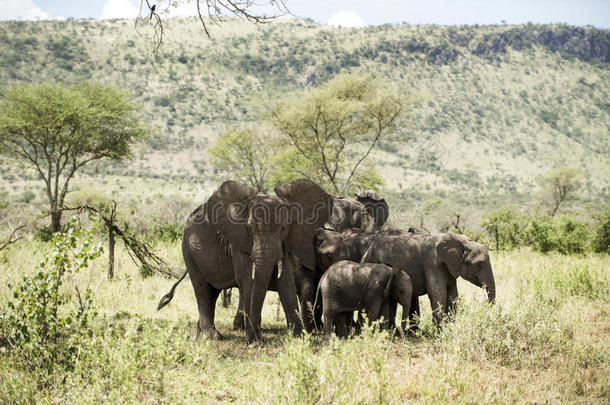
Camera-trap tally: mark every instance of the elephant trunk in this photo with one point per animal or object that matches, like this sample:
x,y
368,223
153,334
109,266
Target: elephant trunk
x,y
488,281
266,253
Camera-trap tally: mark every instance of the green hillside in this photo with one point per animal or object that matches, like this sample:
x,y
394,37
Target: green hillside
x,y
498,105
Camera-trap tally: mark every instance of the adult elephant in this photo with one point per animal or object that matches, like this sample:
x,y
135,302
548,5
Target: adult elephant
x,y
348,213
241,238
375,205
434,262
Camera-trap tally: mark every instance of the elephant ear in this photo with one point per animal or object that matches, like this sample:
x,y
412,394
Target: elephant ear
x,y
450,251
329,240
228,211
310,208
375,204
474,252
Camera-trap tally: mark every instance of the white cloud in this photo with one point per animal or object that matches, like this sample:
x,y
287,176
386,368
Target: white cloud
x,y
346,18
119,9
21,10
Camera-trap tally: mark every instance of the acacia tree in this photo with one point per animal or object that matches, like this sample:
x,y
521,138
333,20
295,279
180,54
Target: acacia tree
x,y
247,154
559,184
325,124
57,129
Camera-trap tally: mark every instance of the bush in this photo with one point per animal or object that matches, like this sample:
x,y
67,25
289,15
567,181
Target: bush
x,y
506,228
601,241
523,336
564,235
168,232
37,323
43,234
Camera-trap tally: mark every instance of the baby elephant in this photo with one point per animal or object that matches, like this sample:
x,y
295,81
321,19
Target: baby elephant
x,y
348,286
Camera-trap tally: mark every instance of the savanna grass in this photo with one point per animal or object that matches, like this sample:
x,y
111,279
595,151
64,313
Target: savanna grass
x,y
546,340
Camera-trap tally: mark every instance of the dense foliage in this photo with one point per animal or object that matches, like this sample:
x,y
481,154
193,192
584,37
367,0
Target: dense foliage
x,y
507,228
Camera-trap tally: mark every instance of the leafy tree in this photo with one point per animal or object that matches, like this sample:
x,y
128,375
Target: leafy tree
x,y
326,124
505,226
246,154
559,184
58,129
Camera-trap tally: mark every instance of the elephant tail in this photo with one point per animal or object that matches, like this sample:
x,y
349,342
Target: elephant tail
x,y
315,301
168,297
388,287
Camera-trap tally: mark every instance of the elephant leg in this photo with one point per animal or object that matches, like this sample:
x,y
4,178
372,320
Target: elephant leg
x,y
306,289
288,297
452,295
239,320
438,299
413,316
373,311
257,298
341,326
358,324
242,267
318,314
206,296
328,325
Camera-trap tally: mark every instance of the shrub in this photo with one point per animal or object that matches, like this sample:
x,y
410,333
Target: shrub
x,y
563,234
37,323
601,241
524,335
505,228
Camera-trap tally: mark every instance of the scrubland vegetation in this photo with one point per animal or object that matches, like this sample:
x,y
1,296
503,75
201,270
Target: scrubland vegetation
x,y
496,107
546,339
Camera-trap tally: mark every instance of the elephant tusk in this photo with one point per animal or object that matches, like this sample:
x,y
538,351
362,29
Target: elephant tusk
x,y
253,270
279,269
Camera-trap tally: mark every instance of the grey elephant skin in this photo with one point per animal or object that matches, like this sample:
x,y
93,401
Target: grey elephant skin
x,y
351,244
348,286
348,213
256,242
434,262
375,205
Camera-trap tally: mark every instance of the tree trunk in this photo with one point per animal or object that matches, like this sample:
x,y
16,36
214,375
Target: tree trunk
x,y
111,243
56,221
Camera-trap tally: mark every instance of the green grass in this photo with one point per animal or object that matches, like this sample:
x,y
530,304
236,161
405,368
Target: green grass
x,y
546,340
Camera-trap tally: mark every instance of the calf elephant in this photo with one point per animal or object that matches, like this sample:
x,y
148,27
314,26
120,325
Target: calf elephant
x,y
348,286
434,262
241,238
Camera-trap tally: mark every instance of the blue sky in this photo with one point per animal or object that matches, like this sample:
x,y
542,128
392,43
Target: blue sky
x,y
353,12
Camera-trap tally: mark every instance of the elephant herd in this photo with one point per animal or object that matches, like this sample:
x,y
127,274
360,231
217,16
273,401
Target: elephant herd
x,y
324,255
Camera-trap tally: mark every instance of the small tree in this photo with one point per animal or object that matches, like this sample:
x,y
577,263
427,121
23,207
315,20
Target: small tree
x,y
328,125
58,129
559,184
247,155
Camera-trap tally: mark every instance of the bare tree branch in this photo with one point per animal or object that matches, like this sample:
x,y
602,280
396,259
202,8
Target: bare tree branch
x,y
216,10
140,252
12,237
